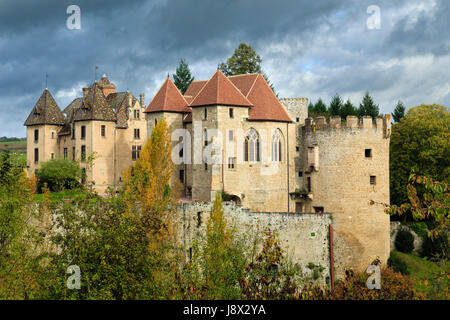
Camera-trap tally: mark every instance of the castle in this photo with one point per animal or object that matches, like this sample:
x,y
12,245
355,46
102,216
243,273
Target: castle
x,y
233,134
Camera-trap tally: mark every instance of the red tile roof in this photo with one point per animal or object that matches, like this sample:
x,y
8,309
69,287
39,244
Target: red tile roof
x,y
220,90
195,87
244,82
266,105
168,99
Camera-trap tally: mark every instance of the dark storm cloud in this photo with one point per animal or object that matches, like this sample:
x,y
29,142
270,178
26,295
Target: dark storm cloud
x,y
309,48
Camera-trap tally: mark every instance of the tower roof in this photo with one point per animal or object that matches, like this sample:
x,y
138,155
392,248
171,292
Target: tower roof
x,y
266,105
168,99
194,88
94,106
220,90
45,111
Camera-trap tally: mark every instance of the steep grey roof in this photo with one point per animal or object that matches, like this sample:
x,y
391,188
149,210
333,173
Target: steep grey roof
x,y
94,106
45,111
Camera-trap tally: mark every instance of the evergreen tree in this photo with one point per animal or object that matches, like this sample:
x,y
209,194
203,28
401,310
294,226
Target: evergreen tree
x,y
182,78
367,107
399,112
311,108
244,61
335,106
348,109
320,107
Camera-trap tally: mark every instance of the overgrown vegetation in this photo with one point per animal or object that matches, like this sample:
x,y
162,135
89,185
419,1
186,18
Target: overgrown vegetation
x,y
59,174
404,241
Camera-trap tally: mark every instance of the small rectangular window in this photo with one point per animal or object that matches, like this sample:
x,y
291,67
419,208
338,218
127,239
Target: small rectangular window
x,y
230,135
297,119
52,156
36,135
65,153
300,174
309,184
73,153
83,132
73,132
83,153
373,180
368,153
36,155
231,113
53,134
297,149
205,116
103,130
136,114
231,162
137,134
182,176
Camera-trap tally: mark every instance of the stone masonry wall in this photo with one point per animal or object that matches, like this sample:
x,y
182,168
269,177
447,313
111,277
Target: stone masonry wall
x,y
305,236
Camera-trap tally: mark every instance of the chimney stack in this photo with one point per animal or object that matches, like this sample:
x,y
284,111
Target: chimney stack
x,y
142,100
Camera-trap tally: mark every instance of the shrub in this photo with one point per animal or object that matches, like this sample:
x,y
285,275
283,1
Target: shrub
x,y
436,247
59,174
396,263
404,241
420,228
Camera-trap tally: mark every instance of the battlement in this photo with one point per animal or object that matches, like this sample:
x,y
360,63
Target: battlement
x,y
382,123
296,100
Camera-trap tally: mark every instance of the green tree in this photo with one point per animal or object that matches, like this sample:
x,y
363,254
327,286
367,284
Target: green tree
x,y
311,108
20,267
335,106
368,107
243,61
182,77
399,112
420,144
59,174
223,260
348,109
320,107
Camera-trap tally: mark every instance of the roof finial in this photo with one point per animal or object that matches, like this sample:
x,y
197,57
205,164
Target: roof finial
x,y
168,76
95,74
46,78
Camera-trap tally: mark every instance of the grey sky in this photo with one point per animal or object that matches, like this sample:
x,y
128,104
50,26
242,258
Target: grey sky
x,y
309,48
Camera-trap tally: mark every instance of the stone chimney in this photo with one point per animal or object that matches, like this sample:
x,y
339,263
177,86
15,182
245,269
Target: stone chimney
x,y
142,100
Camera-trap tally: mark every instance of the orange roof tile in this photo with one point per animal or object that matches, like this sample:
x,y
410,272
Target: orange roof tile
x,y
266,105
220,90
244,82
195,87
168,99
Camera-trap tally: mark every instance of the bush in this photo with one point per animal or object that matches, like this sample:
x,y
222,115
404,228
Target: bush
x,y
436,247
404,241
396,263
420,228
59,174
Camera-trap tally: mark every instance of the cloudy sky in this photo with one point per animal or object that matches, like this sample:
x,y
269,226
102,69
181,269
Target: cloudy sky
x,y
309,48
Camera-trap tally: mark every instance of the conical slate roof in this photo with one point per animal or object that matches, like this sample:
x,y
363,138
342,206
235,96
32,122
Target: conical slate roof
x,y
220,90
45,111
168,99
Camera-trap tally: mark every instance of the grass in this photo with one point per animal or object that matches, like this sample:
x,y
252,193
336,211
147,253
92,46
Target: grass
x,y
61,195
431,278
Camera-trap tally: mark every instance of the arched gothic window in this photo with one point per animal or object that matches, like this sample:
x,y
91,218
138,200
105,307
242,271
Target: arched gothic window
x,y
276,145
251,146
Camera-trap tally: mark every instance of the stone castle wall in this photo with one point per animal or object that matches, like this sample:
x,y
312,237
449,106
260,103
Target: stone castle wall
x,y
304,236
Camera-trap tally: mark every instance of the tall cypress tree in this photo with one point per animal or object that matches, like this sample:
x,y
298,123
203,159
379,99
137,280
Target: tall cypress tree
x,y
348,109
335,106
183,78
399,112
311,108
368,107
